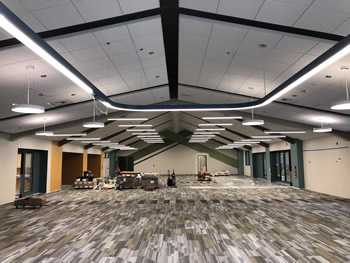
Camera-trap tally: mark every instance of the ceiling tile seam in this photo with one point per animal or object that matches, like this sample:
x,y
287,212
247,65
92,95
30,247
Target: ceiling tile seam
x,y
259,9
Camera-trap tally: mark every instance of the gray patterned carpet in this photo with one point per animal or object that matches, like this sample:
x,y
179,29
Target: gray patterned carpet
x,y
231,219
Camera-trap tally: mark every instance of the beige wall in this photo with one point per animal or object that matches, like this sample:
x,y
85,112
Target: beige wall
x,y
246,167
277,146
327,171
56,167
183,160
8,157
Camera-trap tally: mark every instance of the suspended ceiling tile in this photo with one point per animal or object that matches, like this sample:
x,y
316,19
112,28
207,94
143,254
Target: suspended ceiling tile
x,y
320,48
129,67
216,66
190,61
343,29
58,16
42,4
195,26
125,58
335,5
208,82
132,6
321,19
7,72
112,34
229,86
284,56
151,52
126,99
87,54
92,10
203,5
257,37
15,6
246,61
145,97
193,40
275,12
186,51
120,47
223,45
305,60
202,96
219,98
241,8
148,41
145,27
32,22
14,55
153,62
228,31
296,44
79,41
219,56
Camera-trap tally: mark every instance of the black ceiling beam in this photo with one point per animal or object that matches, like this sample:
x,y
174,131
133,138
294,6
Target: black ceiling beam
x,y
87,26
120,132
65,141
169,12
259,24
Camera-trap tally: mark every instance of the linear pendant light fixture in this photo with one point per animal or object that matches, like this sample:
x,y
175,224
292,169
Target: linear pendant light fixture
x,y
252,121
28,108
44,132
93,123
222,118
18,29
344,104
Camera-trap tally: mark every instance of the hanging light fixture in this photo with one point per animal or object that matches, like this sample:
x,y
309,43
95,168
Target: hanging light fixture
x,y
322,128
44,132
252,121
93,123
28,108
344,104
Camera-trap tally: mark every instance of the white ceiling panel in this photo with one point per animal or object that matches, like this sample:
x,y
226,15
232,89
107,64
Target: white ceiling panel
x,y
262,37
15,6
195,26
186,51
80,41
203,5
42,4
126,58
92,10
14,55
343,29
112,34
161,94
335,5
321,19
296,44
208,82
87,54
193,40
320,48
223,45
153,62
32,22
202,96
240,8
145,97
226,31
120,47
132,6
145,27
58,16
284,56
148,41
273,12
185,60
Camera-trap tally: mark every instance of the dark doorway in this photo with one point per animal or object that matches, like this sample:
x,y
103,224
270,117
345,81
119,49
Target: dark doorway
x,y
94,164
259,165
282,166
31,174
126,163
72,166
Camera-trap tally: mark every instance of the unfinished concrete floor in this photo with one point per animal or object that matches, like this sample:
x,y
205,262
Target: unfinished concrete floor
x,y
231,219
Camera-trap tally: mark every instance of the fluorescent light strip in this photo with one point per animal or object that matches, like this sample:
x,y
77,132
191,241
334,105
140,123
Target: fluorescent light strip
x,y
90,141
268,137
283,132
211,129
28,42
68,134
144,133
135,125
203,135
215,124
128,119
148,136
222,118
206,133
82,139
256,140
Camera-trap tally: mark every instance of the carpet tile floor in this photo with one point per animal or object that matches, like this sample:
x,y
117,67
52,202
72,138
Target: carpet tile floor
x,y
230,219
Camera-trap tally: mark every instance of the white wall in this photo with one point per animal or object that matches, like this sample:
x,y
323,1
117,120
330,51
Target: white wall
x,y
327,166
277,146
8,157
183,160
73,148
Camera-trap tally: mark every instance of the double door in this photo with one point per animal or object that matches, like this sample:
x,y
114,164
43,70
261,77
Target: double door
x,y
283,166
24,176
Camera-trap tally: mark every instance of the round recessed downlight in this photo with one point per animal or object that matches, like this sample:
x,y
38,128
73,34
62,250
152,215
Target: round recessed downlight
x,y
44,133
253,122
93,124
341,105
28,108
322,129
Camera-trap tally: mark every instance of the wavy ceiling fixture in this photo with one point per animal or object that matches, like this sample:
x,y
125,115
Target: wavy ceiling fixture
x,y
18,29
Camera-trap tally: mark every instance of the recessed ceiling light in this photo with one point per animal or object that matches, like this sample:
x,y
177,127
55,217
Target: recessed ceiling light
x,y
150,53
304,91
73,94
43,76
328,76
157,77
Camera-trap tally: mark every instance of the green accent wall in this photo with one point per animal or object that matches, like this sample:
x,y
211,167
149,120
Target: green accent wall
x,y
181,138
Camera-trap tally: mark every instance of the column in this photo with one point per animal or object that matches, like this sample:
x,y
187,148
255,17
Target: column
x,y
240,161
296,152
